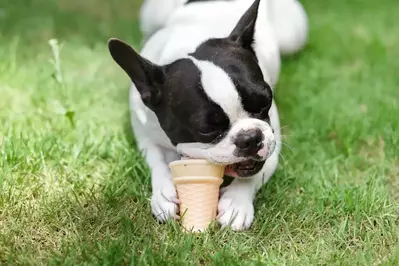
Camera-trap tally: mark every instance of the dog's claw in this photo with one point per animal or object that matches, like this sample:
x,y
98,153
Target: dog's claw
x,y
164,203
220,214
175,200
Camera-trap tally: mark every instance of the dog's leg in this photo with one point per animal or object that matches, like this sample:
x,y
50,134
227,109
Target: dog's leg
x,y
236,202
163,200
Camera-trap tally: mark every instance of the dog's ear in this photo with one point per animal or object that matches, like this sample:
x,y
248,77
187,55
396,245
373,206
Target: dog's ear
x,y
146,76
243,33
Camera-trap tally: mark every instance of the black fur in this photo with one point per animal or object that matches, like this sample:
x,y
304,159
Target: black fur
x,y
147,76
174,92
191,116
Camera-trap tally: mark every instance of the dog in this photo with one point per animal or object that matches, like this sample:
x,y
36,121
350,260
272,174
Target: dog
x,y
202,87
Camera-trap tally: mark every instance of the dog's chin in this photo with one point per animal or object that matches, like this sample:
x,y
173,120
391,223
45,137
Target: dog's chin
x,y
244,169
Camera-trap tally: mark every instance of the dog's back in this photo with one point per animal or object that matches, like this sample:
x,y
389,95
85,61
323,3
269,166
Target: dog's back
x,y
287,17
188,25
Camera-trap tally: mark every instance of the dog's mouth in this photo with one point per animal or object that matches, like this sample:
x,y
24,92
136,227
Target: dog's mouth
x,y
244,169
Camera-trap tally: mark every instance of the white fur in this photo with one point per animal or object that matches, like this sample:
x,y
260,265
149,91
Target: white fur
x,y
173,31
286,18
220,88
151,23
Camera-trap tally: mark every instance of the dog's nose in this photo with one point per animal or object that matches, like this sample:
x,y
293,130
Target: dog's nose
x,y
249,140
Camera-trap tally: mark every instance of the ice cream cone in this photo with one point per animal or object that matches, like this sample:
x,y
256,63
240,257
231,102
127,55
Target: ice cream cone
x,y
197,184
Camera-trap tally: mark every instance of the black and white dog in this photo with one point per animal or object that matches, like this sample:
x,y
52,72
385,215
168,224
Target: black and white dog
x,y
202,88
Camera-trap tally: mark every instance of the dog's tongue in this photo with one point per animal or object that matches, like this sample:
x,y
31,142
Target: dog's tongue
x,y
229,171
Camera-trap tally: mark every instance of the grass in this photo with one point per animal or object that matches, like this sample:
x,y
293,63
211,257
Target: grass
x,y
73,189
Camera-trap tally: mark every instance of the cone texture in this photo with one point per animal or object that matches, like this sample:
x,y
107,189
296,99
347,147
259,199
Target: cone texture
x,y
198,204
197,184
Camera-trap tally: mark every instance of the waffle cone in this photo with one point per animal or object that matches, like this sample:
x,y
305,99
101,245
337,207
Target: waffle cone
x,y
197,184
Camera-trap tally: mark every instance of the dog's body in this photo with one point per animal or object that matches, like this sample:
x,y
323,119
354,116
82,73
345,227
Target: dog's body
x,y
205,93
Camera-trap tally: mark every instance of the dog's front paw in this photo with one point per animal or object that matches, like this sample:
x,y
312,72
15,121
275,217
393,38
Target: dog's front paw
x,y
235,211
164,203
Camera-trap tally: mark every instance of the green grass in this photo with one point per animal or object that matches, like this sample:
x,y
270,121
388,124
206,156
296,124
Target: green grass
x,y
73,189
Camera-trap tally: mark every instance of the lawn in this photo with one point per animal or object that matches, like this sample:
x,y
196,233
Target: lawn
x,y
74,190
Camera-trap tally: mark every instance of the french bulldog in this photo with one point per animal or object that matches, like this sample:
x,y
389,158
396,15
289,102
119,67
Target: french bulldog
x,y
202,87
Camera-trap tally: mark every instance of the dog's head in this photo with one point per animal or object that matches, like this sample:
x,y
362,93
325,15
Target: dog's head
x,y
213,104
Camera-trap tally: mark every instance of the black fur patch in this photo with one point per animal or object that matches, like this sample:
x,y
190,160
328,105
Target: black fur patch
x,y
186,113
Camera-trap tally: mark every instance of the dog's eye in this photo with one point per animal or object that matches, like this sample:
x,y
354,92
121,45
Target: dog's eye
x,y
213,136
211,125
207,137
210,133
217,119
216,124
